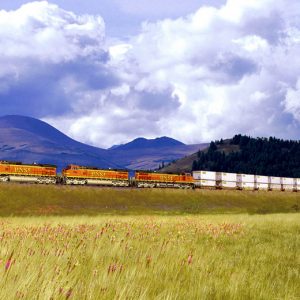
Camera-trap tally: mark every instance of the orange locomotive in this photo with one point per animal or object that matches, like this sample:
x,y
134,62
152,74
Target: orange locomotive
x,y
74,174
147,179
36,173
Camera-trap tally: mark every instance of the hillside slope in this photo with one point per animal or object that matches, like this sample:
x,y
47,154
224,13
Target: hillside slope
x,y
151,158
243,154
30,140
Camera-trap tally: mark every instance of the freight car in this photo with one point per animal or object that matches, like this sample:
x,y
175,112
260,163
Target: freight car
x,y
205,179
151,180
79,175
35,173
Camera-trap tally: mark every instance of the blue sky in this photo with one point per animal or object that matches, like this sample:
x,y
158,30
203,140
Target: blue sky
x,y
105,72
124,17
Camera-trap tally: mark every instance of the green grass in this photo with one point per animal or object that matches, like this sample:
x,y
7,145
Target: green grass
x,y
30,200
151,257
61,242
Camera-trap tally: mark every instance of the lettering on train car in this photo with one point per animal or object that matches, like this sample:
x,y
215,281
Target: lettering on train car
x,y
98,173
22,170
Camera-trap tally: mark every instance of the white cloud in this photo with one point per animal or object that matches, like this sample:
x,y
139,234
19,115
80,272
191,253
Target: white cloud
x,y
44,31
229,71
50,60
292,101
211,74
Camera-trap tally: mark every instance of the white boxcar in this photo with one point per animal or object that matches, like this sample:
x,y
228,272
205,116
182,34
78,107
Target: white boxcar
x,y
247,185
204,175
206,183
288,187
246,178
262,186
262,179
286,180
222,176
275,186
275,180
228,184
297,184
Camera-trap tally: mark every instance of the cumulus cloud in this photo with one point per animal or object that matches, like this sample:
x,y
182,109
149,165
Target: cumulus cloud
x,y
230,67
292,101
42,49
211,74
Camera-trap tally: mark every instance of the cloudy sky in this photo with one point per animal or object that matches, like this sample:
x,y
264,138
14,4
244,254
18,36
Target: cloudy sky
x,y
105,72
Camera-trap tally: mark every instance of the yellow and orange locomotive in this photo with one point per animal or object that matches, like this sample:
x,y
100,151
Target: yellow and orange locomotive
x,y
37,173
79,175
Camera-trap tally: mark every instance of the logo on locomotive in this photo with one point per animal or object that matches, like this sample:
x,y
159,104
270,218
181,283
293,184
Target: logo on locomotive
x,y
98,173
22,170
167,177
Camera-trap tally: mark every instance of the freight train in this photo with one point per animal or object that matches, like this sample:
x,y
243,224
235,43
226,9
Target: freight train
x,y
79,175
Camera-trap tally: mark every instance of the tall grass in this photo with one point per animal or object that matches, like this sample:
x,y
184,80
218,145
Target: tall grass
x,y
61,242
151,257
29,200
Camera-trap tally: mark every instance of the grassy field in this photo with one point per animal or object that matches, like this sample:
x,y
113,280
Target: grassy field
x,y
151,257
90,243
36,200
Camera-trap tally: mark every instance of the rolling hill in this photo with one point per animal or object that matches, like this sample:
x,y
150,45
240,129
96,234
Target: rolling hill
x,y
31,140
185,164
244,154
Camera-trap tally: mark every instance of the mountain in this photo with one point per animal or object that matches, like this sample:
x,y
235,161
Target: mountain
x,y
142,143
244,154
30,140
148,154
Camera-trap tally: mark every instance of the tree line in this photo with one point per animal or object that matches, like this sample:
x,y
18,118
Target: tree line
x,y
263,156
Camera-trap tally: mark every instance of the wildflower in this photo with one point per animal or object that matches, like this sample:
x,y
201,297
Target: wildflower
x,y
9,262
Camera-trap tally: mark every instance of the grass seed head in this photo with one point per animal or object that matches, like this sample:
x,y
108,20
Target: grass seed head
x,y
148,260
69,293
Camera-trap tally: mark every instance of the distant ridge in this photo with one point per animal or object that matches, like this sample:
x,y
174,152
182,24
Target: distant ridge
x,y
140,142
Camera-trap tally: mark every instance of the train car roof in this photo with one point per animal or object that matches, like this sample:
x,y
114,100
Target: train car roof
x,y
24,164
168,173
95,168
